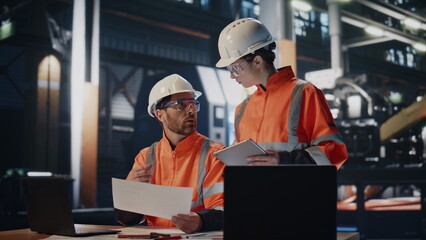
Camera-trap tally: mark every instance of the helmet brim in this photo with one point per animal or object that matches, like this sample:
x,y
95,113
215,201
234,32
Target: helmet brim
x,y
151,108
226,62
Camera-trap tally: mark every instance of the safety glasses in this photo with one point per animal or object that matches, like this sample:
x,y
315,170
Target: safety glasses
x,y
182,104
236,68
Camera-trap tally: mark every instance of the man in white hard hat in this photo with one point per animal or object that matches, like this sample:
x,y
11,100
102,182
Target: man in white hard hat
x,y
182,158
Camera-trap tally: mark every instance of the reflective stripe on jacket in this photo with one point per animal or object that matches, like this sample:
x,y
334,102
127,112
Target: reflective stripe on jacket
x,y
291,114
190,164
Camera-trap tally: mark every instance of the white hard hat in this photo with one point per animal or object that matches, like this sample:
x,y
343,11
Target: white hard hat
x,y
242,37
167,86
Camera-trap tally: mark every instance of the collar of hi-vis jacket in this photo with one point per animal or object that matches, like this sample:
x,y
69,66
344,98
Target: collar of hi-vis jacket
x,y
183,146
284,73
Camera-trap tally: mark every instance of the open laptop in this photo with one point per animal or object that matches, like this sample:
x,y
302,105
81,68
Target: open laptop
x,y
49,210
280,202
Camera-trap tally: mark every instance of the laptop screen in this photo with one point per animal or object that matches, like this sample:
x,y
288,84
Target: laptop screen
x,y
280,202
48,205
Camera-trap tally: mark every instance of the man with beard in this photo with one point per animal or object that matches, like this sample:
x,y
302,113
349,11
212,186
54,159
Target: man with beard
x,y
182,158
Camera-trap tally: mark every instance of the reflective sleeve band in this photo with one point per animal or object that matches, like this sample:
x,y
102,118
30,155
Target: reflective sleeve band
x,y
151,156
216,188
318,155
335,137
196,203
294,112
201,171
218,208
283,146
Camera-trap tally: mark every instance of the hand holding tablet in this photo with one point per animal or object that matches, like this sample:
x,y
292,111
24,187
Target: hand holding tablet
x,y
236,154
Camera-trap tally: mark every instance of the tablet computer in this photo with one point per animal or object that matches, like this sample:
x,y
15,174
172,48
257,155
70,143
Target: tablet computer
x,y
236,154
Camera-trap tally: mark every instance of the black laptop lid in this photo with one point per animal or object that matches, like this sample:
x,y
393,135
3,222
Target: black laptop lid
x,y
48,205
280,202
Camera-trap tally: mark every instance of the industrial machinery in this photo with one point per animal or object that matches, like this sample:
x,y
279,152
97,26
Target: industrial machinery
x,y
354,113
404,134
385,138
377,129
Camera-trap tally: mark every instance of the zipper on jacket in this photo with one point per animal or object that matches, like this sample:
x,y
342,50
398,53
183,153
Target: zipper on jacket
x,y
263,114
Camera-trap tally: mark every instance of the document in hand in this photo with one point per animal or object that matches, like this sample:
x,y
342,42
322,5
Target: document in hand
x,y
237,154
151,199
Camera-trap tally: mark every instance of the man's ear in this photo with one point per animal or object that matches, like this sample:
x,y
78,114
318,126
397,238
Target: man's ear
x,y
159,115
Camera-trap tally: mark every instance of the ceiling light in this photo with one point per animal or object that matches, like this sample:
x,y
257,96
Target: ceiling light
x,y
7,29
301,5
374,31
420,47
395,97
39,174
412,23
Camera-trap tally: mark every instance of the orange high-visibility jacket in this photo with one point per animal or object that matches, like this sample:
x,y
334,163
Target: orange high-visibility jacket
x,y
291,114
190,164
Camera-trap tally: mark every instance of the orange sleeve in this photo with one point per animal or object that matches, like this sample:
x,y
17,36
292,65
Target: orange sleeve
x,y
213,182
140,159
320,127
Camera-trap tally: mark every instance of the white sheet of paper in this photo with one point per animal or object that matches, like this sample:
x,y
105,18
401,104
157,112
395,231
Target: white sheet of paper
x,y
151,199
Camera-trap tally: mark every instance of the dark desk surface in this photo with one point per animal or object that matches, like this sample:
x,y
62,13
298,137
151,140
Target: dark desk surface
x,y
372,175
362,177
27,234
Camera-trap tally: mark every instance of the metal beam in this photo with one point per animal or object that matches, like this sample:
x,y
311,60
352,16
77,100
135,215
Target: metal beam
x,y
362,22
365,42
78,64
397,15
155,23
335,31
389,31
382,9
406,12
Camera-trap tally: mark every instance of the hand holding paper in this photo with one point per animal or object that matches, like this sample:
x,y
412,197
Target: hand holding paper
x,y
151,199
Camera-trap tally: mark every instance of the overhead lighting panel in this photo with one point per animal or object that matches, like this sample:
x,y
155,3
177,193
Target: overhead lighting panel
x,y
420,47
412,23
7,29
39,174
374,31
387,31
301,5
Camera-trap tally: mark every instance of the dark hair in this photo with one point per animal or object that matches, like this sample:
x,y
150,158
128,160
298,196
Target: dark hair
x,y
163,102
160,105
265,53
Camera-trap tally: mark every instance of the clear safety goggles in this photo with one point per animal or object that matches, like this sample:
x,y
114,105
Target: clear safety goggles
x,y
236,68
182,104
